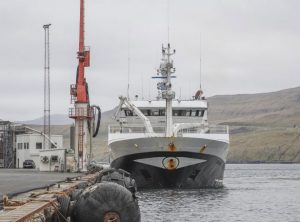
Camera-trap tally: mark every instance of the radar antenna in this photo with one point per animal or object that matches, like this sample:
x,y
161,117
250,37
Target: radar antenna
x,y
165,71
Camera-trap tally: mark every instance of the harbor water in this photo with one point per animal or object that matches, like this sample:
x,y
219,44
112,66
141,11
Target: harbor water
x,y
252,192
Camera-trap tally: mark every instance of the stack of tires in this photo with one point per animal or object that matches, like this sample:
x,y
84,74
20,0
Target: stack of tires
x,y
111,198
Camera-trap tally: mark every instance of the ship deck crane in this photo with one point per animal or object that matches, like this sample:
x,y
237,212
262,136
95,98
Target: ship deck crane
x,y
83,113
133,108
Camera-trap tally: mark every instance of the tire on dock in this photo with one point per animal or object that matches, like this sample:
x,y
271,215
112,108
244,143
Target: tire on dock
x,y
118,176
106,201
64,206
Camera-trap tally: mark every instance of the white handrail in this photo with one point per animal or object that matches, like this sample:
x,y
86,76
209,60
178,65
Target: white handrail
x,y
183,129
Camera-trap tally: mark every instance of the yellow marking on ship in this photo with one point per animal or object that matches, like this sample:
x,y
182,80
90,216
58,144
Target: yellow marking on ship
x,y
171,147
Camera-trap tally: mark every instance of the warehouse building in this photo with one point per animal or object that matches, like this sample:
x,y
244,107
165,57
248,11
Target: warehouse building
x,y
31,146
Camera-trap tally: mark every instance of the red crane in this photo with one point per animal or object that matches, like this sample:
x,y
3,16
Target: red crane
x,y
83,60
83,113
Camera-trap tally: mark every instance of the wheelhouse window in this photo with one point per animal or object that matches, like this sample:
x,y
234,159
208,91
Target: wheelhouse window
x,y
145,112
155,113
162,112
202,112
199,113
128,112
181,112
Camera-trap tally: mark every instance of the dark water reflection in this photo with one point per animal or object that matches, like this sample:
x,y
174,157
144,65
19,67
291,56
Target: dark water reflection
x,y
260,192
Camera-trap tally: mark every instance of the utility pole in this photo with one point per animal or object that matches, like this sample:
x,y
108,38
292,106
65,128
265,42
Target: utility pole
x,y
47,131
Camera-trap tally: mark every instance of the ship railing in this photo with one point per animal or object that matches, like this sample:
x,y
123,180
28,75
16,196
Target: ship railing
x,y
211,129
134,129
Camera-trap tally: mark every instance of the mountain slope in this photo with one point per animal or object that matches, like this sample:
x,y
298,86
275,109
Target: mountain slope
x,y
56,119
263,127
281,108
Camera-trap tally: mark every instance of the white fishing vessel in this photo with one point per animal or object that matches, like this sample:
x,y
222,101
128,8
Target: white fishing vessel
x,y
167,142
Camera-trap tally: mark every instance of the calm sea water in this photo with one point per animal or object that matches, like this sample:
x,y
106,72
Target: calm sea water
x,y
252,192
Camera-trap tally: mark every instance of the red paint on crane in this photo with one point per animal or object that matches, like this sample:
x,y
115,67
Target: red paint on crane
x,y
83,56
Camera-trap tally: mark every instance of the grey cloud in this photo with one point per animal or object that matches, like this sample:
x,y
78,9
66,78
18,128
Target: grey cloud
x,y
248,46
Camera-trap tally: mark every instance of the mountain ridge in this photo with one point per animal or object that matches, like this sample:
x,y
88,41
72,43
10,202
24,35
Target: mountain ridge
x,y
242,107
264,127
60,119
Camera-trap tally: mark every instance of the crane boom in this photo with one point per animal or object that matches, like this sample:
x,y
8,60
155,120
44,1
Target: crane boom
x,y
81,27
83,56
82,112
133,108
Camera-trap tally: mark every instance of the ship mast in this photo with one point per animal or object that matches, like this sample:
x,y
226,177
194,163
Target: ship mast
x,y
166,70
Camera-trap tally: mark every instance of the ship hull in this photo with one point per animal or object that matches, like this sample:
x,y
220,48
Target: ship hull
x,y
208,174
189,164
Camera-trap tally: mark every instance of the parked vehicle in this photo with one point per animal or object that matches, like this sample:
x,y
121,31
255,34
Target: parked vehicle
x,y
28,164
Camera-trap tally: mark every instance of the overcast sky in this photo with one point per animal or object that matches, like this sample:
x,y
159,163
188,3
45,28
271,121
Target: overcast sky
x,y
247,47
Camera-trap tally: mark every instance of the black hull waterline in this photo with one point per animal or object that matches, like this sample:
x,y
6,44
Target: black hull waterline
x,y
208,174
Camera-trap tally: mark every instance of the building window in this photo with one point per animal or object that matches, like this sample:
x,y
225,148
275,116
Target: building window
x,y
39,145
54,158
26,146
20,146
53,145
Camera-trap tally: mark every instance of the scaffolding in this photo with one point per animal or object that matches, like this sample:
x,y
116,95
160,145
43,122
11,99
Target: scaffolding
x,y
7,151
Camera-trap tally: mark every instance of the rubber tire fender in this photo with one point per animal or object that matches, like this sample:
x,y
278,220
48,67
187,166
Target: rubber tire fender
x,y
101,199
64,202
76,194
